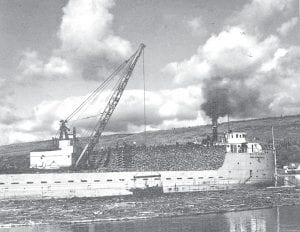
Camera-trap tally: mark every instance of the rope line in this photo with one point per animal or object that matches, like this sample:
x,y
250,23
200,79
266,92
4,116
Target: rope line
x,y
95,92
113,90
145,117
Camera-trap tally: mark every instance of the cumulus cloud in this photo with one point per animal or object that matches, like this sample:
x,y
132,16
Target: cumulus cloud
x,y
234,50
86,29
88,46
242,75
272,63
87,38
188,71
286,27
182,107
8,115
281,82
31,67
257,14
231,52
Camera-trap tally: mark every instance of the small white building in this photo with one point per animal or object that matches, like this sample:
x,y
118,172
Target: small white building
x,y
53,159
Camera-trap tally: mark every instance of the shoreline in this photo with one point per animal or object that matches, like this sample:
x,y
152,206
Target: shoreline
x,y
130,208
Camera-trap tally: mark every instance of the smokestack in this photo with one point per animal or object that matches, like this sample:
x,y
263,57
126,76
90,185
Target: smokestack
x,y
214,129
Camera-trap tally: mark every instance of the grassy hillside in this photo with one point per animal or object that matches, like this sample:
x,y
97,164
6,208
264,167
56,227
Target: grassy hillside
x,y
286,130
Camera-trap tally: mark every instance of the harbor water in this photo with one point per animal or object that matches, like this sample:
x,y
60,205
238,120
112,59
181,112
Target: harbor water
x,y
283,219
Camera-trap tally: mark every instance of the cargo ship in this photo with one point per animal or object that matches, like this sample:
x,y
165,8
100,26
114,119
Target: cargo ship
x,y
70,170
237,162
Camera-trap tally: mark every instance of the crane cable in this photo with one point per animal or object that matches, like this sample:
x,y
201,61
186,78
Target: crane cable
x,y
89,132
126,70
103,85
98,89
88,117
145,117
113,90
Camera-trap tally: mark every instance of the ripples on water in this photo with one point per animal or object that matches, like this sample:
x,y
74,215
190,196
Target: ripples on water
x,y
284,219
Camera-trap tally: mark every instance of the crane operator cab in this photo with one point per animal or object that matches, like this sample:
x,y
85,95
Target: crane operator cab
x,y
63,130
237,143
61,156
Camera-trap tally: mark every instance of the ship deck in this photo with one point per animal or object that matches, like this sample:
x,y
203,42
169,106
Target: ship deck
x,y
177,157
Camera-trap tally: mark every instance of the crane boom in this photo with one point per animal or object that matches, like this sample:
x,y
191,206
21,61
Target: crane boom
x,y
112,103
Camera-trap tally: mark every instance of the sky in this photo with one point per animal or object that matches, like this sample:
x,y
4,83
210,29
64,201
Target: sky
x,y
244,53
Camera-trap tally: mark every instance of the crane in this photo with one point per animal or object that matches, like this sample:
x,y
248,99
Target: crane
x,y
128,67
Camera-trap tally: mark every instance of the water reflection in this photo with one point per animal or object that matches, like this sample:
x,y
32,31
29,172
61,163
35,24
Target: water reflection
x,y
256,220
282,219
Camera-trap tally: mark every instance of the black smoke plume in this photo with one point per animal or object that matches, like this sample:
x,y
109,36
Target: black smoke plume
x,y
231,96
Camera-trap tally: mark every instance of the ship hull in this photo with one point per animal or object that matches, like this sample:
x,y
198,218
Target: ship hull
x,y
238,169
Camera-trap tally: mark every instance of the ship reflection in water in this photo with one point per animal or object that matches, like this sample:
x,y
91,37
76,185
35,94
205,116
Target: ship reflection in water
x,y
281,219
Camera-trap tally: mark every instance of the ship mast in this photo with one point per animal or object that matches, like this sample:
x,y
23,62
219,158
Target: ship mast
x,y
275,158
